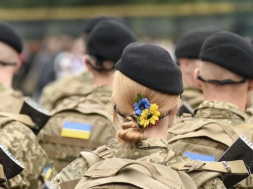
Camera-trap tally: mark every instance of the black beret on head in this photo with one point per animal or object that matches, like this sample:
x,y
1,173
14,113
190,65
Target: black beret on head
x,y
230,51
151,66
108,40
189,45
93,22
10,37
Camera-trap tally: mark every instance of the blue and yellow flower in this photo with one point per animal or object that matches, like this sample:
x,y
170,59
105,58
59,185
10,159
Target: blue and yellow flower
x,y
140,106
149,117
148,114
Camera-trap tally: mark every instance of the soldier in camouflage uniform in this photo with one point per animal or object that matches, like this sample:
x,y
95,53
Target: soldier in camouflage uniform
x,y
87,99
187,54
225,76
17,137
55,92
20,140
10,48
148,106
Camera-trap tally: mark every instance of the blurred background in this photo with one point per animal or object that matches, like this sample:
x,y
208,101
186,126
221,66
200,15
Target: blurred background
x,y
52,29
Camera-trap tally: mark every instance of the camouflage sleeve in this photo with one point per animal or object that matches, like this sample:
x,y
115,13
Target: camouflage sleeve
x,y
215,183
21,142
74,170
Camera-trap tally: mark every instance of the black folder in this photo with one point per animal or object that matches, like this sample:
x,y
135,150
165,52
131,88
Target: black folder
x,y
241,149
11,165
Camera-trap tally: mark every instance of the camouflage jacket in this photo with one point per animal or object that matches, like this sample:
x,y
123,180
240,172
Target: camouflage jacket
x,y
22,143
249,110
71,87
83,103
223,111
11,100
151,150
192,96
204,129
212,130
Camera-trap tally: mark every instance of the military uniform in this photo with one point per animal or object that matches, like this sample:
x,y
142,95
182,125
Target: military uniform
x,y
212,130
208,116
84,103
69,87
11,100
224,111
150,150
192,96
22,143
11,47
188,47
249,111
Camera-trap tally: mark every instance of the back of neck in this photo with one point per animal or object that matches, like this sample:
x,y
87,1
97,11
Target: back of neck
x,y
103,78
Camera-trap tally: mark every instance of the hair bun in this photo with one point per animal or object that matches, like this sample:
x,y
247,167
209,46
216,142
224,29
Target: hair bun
x,y
130,132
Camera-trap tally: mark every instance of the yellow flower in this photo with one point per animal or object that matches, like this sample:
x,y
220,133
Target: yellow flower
x,y
149,116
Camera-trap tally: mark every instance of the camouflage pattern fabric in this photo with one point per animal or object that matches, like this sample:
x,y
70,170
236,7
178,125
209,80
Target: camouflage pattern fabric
x,y
21,142
249,111
150,150
83,104
192,96
223,111
12,100
71,87
203,133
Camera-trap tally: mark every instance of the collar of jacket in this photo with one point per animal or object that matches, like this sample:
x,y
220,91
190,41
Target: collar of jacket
x,y
219,110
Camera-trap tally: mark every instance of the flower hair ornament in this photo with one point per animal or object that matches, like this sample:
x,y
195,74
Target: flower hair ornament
x,y
148,114
145,114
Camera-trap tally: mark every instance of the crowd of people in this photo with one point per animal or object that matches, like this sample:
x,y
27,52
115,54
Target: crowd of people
x,y
125,114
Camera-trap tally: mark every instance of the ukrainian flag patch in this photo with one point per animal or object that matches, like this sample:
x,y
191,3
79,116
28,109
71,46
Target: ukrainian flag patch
x,y
201,157
47,172
76,130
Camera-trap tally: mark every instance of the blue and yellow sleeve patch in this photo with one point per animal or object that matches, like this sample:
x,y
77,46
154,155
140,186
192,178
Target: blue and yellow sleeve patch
x,y
76,130
201,157
47,172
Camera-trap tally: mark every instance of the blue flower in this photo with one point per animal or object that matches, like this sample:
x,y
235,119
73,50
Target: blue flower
x,y
140,106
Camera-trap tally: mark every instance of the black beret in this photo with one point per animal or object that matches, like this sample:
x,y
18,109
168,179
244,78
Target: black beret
x,y
108,40
93,22
230,51
151,66
189,45
10,37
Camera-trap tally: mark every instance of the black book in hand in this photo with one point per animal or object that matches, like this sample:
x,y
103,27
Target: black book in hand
x,y
11,165
241,149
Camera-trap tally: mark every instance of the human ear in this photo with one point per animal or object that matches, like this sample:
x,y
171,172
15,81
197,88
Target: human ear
x,y
197,82
86,58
